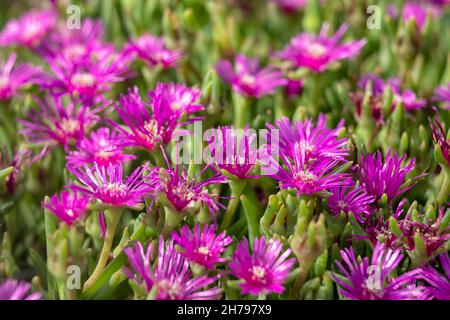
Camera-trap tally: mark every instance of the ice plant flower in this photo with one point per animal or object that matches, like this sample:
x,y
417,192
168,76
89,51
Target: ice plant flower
x,y
372,280
29,29
187,193
442,94
439,284
152,50
234,150
58,122
202,245
318,52
153,123
350,199
12,289
264,270
14,77
248,78
101,147
108,185
67,206
170,275
419,11
386,176
440,137
290,6
311,141
407,97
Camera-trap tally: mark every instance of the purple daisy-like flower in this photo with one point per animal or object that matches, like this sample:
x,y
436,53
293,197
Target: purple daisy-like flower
x,y
185,193
318,52
58,122
407,97
14,77
265,269
67,206
28,30
248,78
419,11
310,141
442,94
351,199
234,150
88,79
153,123
170,274
202,246
102,147
439,283
108,185
152,50
440,137
364,280
290,6
386,176
12,289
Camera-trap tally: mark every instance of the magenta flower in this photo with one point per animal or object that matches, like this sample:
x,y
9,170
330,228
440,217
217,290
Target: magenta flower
x,y
351,199
102,147
28,30
419,12
318,52
442,93
407,97
202,246
294,88
263,271
386,176
12,289
439,283
152,50
310,141
108,185
58,123
440,137
234,150
290,6
248,78
88,79
364,280
186,193
67,206
13,78
149,126
170,274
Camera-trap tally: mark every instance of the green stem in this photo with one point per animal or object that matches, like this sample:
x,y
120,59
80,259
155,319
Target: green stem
x,y
112,221
445,188
241,110
172,220
301,277
236,190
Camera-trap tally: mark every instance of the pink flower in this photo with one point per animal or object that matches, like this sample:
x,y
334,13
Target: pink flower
x,y
202,246
102,147
152,50
350,199
108,185
248,78
13,78
28,30
68,206
12,289
263,271
318,52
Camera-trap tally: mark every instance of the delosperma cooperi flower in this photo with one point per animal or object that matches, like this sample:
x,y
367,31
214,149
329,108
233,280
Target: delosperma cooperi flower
x,y
14,76
248,78
419,11
440,137
152,50
373,279
108,184
318,52
350,199
265,269
291,5
170,275
58,121
67,206
439,283
29,29
101,147
442,94
12,289
203,245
